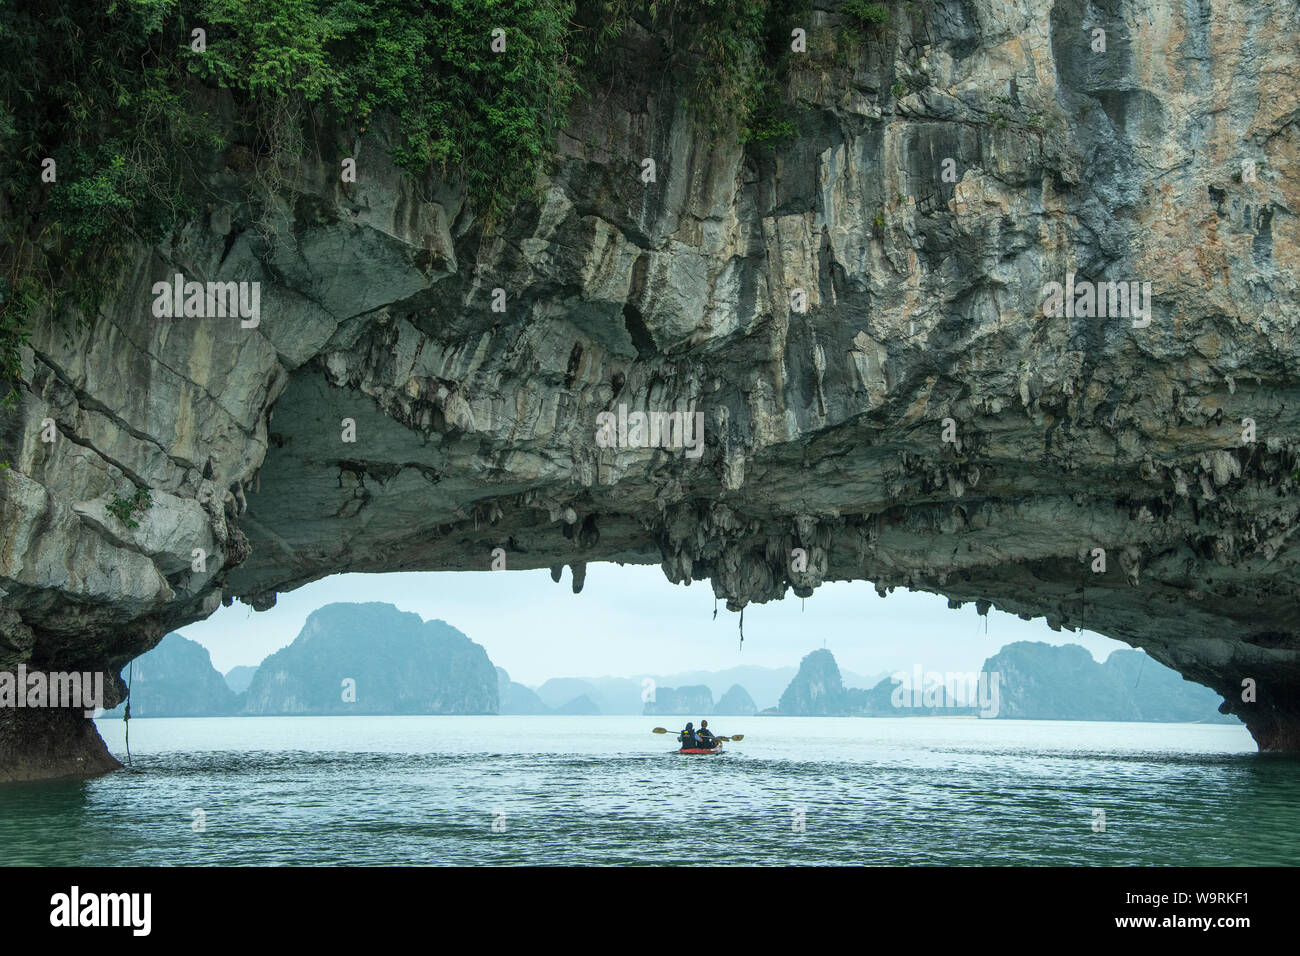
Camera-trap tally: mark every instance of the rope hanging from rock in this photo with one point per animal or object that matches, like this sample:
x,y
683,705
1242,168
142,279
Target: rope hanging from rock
x,y
126,714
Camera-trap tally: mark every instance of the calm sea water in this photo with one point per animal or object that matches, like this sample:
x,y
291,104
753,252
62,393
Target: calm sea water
x,y
580,790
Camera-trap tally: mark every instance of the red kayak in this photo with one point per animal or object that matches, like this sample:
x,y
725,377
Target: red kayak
x,y
700,750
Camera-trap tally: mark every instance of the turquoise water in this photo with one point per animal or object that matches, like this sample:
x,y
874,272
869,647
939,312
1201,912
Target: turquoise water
x,y
580,790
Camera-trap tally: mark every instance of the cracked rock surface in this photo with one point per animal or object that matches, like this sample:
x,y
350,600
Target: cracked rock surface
x,y
824,429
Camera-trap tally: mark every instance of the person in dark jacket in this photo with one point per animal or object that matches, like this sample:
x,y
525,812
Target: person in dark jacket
x,y
705,737
688,738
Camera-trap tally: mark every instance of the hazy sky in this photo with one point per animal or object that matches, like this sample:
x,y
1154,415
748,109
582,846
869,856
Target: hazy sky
x,y
630,621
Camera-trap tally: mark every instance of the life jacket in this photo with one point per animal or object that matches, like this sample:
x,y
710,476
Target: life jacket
x,y
688,740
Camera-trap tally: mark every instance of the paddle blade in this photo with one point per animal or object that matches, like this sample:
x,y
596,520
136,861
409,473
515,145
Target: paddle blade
x,y
736,737
658,730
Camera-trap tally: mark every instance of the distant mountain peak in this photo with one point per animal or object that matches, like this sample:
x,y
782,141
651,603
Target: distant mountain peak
x,y
372,658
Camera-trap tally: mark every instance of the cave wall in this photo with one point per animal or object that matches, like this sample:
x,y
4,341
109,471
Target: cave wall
x,y
824,429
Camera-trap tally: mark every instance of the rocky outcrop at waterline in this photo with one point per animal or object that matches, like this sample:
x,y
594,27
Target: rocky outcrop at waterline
x,y
857,313
1040,681
1027,680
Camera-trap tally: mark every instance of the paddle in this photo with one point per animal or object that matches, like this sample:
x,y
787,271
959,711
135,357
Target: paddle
x,y
736,737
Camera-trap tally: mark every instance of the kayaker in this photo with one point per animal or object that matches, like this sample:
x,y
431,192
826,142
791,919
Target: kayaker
x,y
705,737
687,737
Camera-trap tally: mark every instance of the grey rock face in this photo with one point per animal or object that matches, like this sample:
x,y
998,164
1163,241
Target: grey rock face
x,y
817,690
736,702
1033,680
1039,681
238,678
177,679
374,659
515,698
1161,694
922,424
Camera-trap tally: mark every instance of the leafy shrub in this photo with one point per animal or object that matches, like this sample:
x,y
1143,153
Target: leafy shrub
x,y
489,117
769,133
124,509
875,14
114,93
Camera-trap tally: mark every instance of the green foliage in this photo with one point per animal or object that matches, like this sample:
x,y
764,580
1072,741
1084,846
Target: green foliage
x,y
125,509
13,336
489,117
730,53
86,87
769,133
768,118
874,14
114,93
723,38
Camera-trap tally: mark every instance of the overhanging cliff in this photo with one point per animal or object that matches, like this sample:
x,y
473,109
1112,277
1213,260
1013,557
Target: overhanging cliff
x,y
881,391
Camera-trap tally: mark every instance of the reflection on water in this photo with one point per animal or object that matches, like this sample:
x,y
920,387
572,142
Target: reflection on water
x,y
427,790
